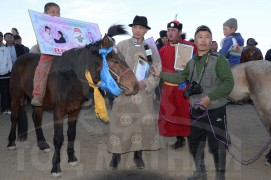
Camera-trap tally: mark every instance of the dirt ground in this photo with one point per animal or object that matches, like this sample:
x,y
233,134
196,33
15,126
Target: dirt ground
x,y
28,162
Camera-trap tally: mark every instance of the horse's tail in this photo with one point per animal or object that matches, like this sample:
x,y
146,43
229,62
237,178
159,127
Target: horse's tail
x,y
22,124
117,29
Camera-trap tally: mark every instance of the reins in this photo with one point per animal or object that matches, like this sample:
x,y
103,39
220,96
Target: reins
x,y
229,145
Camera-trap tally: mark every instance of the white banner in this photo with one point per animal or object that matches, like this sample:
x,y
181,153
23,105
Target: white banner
x,y
183,53
55,35
150,41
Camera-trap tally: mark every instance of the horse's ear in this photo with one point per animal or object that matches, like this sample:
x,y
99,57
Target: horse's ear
x,y
106,42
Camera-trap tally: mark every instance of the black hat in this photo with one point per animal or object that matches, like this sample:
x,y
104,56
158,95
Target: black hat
x,y
175,24
163,33
1,34
203,28
140,20
251,41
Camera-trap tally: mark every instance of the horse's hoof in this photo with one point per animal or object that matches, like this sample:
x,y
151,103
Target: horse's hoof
x,y
73,163
43,146
56,171
46,150
56,175
11,145
11,148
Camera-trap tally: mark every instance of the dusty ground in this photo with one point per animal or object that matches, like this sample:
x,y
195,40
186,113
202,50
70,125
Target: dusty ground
x,y
27,162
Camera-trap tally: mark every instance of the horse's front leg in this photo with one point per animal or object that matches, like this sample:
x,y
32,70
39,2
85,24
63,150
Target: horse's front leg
x,y
37,119
58,141
71,133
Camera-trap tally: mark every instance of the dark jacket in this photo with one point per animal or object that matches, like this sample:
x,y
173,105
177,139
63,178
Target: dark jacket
x,y
268,55
60,40
159,44
251,56
19,50
232,48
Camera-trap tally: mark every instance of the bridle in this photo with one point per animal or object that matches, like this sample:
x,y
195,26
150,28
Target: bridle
x,y
119,76
114,73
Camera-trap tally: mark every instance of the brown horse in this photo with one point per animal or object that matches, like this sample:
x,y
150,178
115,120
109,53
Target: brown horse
x,y
65,92
253,79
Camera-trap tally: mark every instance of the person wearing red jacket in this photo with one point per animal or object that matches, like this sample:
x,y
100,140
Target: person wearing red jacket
x,y
174,117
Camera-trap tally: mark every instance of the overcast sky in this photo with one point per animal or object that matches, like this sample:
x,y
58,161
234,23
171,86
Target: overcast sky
x,y
253,16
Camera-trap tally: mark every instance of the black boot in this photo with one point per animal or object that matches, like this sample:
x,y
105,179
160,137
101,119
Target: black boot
x,y
200,173
179,143
115,161
268,157
138,160
220,163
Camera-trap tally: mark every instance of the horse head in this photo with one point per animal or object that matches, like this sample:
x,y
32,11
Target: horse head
x,y
118,67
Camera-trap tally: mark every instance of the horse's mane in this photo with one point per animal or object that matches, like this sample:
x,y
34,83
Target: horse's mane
x,y
77,60
117,29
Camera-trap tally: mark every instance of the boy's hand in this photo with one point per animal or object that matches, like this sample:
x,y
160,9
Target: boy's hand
x,y
205,101
155,71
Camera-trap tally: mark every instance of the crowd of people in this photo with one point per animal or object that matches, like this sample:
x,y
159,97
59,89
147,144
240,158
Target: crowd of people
x,y
10,51
134,127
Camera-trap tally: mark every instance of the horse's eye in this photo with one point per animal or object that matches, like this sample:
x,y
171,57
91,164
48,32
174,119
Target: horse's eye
x,y
115,60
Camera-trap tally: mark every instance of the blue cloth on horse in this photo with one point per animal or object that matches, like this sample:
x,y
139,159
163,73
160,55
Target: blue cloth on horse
x,y
107,82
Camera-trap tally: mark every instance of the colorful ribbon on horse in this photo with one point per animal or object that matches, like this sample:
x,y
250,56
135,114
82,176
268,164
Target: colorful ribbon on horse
x,y
107,81
100,107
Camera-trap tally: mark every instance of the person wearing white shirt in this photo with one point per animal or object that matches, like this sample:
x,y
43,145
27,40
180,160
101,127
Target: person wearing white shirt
x,y
5,69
